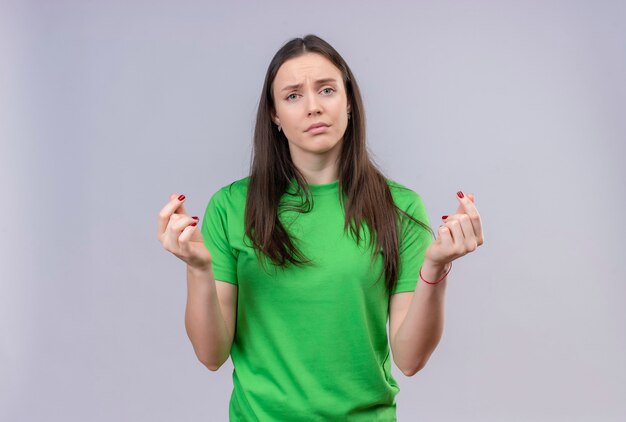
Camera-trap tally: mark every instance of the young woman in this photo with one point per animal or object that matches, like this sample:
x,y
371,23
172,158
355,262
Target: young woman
x,y
298,266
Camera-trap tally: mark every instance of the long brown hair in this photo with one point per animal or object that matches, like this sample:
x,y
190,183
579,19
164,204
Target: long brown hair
x,y
363,190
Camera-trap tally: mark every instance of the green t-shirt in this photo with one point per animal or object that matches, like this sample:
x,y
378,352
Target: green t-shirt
x,y
311,342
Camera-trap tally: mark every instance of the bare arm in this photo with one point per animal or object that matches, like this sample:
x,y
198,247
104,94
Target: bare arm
x,y
211,304
210,316
416,321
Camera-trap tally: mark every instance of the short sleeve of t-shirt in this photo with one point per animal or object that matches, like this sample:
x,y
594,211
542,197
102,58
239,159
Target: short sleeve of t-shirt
x,y
414,239
215,233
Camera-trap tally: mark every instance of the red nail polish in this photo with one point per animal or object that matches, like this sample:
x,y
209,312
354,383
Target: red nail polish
x,y
195,218
460,194
444,217
194,224
180,198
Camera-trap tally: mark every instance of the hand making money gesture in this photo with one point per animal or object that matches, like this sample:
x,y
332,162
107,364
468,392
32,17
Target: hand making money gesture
x,y
178,234
461,234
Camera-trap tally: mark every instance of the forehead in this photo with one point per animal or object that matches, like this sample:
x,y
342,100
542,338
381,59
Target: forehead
x,y
307,66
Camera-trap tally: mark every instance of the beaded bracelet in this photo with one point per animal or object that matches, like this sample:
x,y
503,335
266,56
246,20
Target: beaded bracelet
x,y
438,281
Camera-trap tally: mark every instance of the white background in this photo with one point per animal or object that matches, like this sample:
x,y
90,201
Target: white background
x,y
106,108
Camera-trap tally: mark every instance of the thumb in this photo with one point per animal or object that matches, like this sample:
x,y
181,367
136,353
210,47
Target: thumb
x,y
196,235
181,208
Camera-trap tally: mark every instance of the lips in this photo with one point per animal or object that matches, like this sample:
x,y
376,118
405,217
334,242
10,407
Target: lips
x,y
315,125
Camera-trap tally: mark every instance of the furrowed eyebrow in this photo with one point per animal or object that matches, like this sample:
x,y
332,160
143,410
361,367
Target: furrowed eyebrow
x,y
318,82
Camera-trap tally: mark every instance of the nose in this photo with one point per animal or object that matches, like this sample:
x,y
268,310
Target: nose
x,y
314,107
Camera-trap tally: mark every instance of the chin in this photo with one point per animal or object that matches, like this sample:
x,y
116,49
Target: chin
x,y
320,144
321,147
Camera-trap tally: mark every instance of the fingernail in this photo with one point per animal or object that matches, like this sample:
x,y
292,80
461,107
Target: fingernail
x,y
180,198
459,194
195,218
194,224
444,217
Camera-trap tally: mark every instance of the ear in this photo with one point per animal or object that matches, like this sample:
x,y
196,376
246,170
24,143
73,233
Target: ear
x,y
274,118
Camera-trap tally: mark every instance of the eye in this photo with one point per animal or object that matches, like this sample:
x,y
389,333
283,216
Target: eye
x,y
328,91
291,97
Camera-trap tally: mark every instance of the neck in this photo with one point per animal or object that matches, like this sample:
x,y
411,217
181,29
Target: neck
x,y
320,176
318,169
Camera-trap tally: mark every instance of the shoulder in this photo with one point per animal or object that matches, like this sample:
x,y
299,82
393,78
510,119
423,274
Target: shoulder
x,y
232,196
233,192
411,203
404,197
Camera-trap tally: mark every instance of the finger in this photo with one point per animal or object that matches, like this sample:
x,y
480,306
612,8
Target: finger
x,y
458,239
173,206
445,237
177,224
470,209
465,222
469,229
466,203
469,236
181,207
185,237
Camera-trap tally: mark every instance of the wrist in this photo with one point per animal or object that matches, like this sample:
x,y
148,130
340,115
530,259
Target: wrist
x,y
434,273
200,273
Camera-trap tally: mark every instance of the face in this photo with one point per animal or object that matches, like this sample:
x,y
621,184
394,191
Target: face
x,y
309,90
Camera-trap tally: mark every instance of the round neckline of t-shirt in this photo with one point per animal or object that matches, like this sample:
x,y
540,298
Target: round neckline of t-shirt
x,y
322,188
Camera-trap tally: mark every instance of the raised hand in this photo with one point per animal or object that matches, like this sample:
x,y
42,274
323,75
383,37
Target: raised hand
x,y
178,234
461,234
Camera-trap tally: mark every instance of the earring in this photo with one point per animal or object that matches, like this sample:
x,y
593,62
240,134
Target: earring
x,y
279,128
348,115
